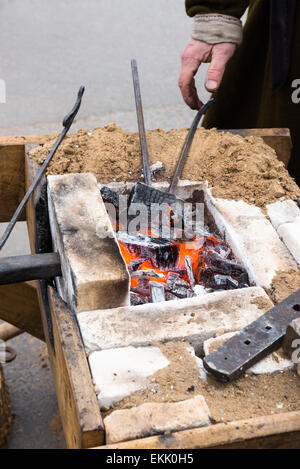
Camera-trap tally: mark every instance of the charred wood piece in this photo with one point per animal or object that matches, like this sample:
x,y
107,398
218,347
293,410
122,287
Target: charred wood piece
x,y
143,283
140,291
109,196
136,299
134,265
147,195
223,251
222,282
146,274
177,286
162,254
223,266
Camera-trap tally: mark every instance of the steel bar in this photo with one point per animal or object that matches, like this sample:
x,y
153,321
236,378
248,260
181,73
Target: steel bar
x,y
67,122
25,268
141,122
254,342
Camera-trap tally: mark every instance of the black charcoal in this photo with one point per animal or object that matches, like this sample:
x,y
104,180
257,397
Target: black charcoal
x,y
177,286
134,265
110,196
162,254
146,274
136,299
140,291
223,266
143,194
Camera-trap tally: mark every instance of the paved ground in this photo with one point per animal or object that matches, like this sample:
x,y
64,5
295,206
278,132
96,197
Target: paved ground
x,y
47,49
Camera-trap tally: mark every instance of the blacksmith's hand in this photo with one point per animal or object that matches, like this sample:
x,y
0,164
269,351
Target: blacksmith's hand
x,y
196,53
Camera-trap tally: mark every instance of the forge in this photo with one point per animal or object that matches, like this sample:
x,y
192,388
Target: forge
x,y
150,304
179,248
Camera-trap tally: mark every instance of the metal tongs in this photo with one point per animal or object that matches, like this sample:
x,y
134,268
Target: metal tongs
x,y
67,122
145,193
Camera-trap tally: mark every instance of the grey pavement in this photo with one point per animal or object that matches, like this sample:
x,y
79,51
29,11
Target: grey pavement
x,y
48,49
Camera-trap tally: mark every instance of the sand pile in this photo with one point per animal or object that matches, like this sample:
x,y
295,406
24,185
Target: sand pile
x,y
236,167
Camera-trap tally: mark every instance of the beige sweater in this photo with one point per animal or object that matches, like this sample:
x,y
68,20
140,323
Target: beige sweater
x,y
217,28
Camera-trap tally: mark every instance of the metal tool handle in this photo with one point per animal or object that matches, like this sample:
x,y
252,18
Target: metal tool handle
x,y
67,122
141,122
187,145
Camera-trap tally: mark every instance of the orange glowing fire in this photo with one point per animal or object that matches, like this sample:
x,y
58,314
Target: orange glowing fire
x,y
194,249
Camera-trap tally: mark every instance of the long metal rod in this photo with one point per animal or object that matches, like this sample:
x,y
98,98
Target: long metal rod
x,y
187,145
67,122
32,267
141,122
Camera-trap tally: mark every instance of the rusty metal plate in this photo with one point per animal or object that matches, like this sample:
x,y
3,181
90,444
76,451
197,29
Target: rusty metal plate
x,y
254,342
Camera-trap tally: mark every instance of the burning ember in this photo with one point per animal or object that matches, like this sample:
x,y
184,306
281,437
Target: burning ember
x,y
178,266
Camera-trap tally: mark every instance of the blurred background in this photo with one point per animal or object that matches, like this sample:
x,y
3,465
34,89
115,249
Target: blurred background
x,y
47,50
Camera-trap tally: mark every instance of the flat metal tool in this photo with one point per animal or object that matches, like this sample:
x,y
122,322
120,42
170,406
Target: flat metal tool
x,y
254,342
67,122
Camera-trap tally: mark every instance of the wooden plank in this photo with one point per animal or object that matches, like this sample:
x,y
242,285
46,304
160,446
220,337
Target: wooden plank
x,y
8,331
12,181
78,404
6,418
31,267
19,306
278,139
272,431
12,174
79,408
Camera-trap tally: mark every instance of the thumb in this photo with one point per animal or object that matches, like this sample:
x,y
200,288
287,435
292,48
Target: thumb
x,y
221,53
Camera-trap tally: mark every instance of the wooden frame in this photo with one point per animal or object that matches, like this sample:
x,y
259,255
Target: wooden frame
x,y
79,409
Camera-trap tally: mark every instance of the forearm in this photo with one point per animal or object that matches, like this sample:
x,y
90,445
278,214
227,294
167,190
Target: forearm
x,y
217,21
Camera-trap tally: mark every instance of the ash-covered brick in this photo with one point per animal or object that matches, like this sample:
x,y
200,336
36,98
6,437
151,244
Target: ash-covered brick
x,y
290,235
94,274
284,211
156,418
193,320
117,373
253,239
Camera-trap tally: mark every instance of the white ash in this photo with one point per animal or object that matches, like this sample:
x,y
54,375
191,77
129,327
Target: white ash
x,y
156,167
